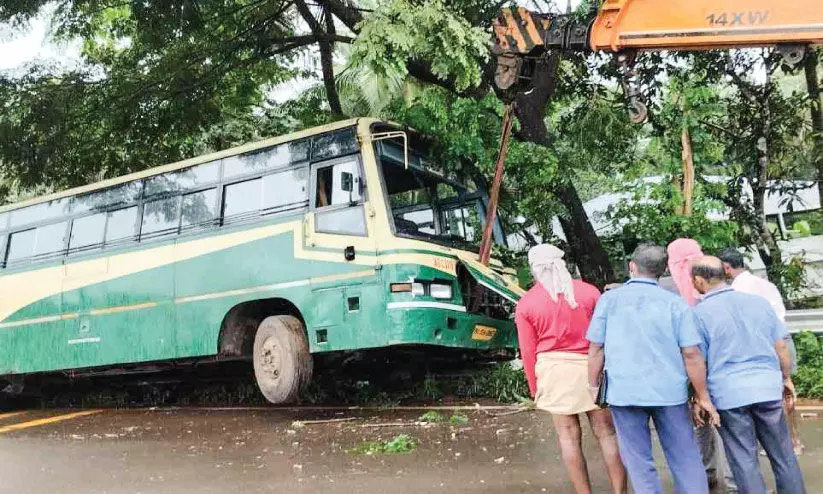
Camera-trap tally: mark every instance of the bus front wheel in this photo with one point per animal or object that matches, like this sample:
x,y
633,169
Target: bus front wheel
x,y
282,361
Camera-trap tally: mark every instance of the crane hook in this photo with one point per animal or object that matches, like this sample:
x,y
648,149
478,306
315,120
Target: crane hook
x,y
638,111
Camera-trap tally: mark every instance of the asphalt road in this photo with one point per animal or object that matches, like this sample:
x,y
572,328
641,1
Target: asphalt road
x,y
264,450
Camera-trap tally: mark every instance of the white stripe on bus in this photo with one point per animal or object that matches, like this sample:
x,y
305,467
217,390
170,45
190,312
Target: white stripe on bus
x,y
39,320
122,308
425,305
274,287
194,298
84,340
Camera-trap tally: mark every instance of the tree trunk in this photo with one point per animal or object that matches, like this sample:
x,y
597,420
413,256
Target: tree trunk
x,y
586,249
766,244
327,63
326,51
755,218
688,171
816,100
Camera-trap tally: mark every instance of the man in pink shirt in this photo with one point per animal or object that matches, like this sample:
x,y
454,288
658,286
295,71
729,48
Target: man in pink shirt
x,y
744,281
552,319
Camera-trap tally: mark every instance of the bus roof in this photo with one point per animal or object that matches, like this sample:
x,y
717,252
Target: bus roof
x,y
157,170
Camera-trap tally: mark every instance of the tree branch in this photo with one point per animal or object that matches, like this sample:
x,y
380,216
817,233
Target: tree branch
x,y
326,53
348,14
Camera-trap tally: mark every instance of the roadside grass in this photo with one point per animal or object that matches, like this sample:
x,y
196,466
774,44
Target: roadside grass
x,y
499,382
808,379
435,417
399,445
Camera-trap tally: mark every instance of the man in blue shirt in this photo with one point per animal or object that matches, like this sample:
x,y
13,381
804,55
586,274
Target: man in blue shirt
x,y
648,342
749,367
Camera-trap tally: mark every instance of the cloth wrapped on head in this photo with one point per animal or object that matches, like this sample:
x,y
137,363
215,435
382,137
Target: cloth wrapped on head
x,y
549,269
681,254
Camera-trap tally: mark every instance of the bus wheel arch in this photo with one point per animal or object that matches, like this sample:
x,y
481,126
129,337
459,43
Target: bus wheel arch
x,y
240,324
273,333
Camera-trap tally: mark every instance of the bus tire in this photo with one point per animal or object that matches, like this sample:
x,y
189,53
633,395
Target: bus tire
x,y
282,361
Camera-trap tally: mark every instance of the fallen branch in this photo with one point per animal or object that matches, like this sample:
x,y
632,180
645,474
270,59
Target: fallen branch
x,y
513,410
395,424
328,421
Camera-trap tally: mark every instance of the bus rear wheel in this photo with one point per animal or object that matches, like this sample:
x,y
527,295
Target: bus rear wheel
x,y
282,361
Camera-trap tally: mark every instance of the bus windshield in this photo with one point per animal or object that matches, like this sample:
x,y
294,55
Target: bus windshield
x,y
427,205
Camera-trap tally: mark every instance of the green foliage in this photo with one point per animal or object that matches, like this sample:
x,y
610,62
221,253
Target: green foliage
x,y
435,417
500,382
791,276
400,444
814,220
458,419
402,30
432,416
431,389
809,376
649,215
153,76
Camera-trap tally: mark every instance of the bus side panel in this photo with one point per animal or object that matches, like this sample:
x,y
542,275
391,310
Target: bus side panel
x,y
143,316
21,352
34,336
127,319
208,286
348,317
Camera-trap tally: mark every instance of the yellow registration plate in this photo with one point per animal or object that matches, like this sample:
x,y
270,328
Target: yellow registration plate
x,y
483,333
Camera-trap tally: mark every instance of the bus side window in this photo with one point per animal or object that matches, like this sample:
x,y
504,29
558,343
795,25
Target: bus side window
x,y
160,218
50,239
199,209
121,225
338,184
87,232
286,190
242,200
338,196
21,245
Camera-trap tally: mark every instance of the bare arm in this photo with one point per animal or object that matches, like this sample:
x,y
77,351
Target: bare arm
x,y
597,360
785,357
696,369
789,393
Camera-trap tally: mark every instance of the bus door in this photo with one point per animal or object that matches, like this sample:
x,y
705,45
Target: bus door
x,y
339,236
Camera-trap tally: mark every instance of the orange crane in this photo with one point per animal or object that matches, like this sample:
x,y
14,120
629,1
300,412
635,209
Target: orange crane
x,y
627,27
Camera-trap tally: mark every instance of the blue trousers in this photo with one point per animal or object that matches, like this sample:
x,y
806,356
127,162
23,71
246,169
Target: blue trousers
x,y
674,429
741,429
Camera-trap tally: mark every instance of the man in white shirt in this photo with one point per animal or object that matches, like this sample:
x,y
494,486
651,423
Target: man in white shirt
x,y
744,281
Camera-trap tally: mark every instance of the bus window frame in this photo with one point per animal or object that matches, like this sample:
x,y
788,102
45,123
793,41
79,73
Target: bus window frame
x,y
360,203
142,198
215,221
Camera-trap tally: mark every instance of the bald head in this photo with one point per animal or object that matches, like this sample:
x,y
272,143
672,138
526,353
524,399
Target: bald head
x,y
707,273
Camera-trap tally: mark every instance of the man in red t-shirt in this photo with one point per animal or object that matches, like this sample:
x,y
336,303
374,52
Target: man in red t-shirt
x,y
552,319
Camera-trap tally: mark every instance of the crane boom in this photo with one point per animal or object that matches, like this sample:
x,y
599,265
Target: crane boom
x,y
683,25
631,26
705,24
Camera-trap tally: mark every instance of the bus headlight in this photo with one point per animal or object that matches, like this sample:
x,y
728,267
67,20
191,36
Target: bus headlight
x,y
437,290
441,291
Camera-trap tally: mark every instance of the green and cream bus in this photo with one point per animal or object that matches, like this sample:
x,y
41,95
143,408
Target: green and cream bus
x,y
333,239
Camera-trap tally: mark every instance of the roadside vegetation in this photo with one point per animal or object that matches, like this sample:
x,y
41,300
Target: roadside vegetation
x,y
493,383
809,376
490,384
400,444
